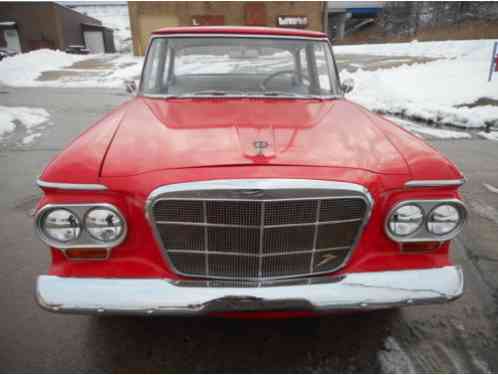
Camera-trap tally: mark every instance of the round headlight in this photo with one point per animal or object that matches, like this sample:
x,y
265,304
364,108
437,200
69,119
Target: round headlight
x,y
104,224
61,225
405,220
443,219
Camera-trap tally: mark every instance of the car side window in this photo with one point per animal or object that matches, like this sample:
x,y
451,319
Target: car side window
x,y
155,66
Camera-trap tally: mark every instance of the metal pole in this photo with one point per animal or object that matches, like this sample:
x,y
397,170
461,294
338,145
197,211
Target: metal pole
x,y
493,62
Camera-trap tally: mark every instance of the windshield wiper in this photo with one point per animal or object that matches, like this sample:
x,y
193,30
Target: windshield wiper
x,y
279,93
290,94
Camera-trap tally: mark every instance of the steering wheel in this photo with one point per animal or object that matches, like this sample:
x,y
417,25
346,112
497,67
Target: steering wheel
x,y
264,83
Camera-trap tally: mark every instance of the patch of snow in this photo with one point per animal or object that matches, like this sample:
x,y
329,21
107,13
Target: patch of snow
x,y
430,131
433,91
479,363
25,68
492,136
485,211
128,67
30,138
446,49
7,124
30,119
394,360
491,188
114,16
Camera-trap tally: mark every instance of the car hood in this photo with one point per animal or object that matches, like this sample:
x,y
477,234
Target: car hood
x,y
158,134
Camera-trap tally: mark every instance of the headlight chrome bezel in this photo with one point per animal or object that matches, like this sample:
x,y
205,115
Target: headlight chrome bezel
x,y
84,240
87,227
422,220
422,234
52,238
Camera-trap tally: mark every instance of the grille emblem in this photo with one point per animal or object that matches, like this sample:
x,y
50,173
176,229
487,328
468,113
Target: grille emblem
x,y
260,146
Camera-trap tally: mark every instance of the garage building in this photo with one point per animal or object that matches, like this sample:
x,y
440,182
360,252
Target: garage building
x,y
33,25
148,16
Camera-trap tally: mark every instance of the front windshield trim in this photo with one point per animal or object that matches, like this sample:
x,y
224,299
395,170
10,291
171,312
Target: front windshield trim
x,y
140,92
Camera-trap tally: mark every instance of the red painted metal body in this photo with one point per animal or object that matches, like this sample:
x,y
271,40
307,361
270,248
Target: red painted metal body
x,y
146,143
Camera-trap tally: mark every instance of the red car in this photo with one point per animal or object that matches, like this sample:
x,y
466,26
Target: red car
x,y
240,182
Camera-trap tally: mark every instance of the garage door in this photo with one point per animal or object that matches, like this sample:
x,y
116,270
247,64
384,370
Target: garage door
x,y
12,39
94,41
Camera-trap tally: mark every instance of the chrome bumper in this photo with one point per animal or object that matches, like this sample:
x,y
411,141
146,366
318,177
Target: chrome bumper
x,y
355,291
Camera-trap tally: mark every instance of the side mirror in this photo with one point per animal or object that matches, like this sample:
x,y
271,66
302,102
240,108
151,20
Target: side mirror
x,y
347,85
131,87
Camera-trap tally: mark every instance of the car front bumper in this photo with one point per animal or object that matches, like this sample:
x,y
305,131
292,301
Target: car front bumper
x,y
354,291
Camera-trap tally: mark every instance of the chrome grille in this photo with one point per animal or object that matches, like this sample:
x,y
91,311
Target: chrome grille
x,y
279,233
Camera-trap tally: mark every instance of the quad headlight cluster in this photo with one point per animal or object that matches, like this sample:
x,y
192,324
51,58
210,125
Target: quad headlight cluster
x,y
426,220
81,226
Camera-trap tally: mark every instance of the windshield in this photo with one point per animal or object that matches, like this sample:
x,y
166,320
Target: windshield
x,y
245,66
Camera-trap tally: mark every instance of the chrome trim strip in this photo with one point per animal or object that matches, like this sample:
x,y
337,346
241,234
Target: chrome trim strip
x,y
238,35
315,235
434,183
263,184
84,241
261,240
256,255
205,224
206,239
258,183
422,234
354,291
67,186
259,200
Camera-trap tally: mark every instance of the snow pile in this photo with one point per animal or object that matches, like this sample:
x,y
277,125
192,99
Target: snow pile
x,y
29,120
436,91
23,69
114,16
447,49
103,71
492,136
428,131
127,67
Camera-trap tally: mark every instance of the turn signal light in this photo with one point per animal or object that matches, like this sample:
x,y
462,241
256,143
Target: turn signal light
x,y
83,254
420,247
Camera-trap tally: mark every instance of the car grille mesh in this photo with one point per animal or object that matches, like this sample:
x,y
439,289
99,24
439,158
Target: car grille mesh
x,y
258,239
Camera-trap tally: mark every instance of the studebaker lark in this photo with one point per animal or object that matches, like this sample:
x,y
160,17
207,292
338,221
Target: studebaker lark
x,y
239,180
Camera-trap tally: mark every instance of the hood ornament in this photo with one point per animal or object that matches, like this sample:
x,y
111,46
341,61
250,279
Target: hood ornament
x,y
260,147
